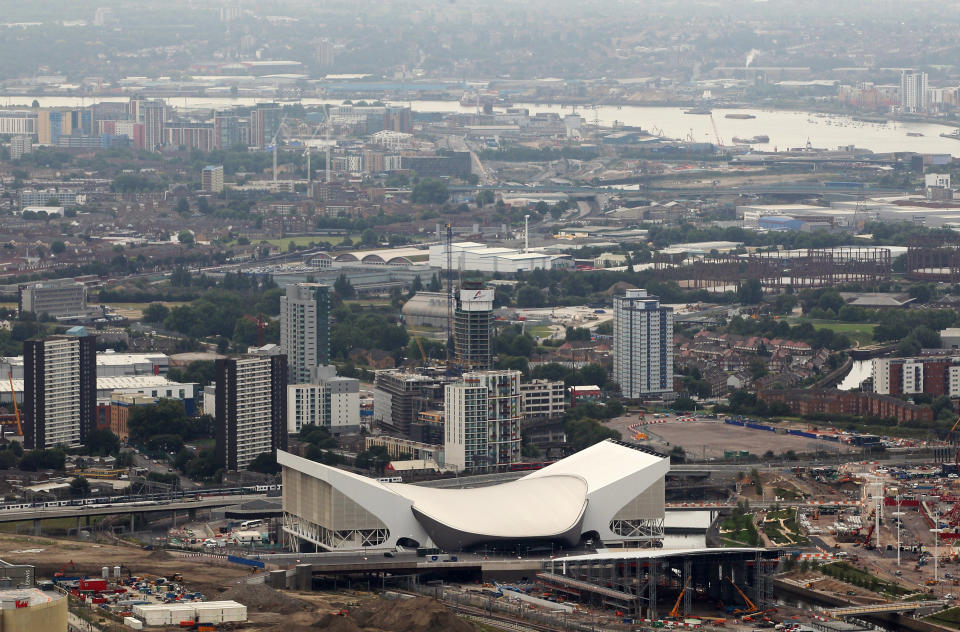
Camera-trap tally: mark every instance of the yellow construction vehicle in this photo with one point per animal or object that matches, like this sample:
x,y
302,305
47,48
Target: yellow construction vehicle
x,y
16,410
675,613
750,607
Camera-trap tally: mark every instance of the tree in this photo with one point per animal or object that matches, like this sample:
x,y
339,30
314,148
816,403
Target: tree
x,y
583,433
155,313
485,197
343,287
265,463
369,237
103,442
430,191
376,459
578,334
79,487
57,247
185,237
434,285
750,292
183,206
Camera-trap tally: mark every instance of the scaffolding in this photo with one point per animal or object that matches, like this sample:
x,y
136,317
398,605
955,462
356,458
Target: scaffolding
x,y
777,270
934,258
635,581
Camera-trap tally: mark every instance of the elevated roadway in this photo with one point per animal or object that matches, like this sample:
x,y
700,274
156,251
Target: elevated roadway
x,y
49,513
881,608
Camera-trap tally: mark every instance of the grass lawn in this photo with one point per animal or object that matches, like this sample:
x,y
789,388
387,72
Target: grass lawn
x,y
861,332
26,526
852,575
949,618
540,331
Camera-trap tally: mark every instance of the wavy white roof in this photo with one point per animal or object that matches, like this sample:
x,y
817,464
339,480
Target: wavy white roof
x,y
544,506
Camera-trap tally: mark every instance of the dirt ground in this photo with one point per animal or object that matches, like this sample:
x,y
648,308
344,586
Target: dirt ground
x,y
268,610
50,555
706,439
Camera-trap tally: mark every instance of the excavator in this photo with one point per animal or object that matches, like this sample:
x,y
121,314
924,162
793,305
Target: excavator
x,y
749,608
675,613
72,566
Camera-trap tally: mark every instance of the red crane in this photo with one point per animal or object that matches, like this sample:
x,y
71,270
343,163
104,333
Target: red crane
x,y
261,324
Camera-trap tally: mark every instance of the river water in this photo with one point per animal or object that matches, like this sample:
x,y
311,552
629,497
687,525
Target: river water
x,y
786,128
858,373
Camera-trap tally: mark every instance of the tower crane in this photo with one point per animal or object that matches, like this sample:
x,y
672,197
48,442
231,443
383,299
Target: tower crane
x,y
16,410
261,324
276,138
716,134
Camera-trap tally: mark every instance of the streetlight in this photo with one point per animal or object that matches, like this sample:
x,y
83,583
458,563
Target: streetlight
x,y
899,516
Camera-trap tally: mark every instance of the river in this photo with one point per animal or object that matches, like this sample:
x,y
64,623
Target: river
x,y
859,371
786,128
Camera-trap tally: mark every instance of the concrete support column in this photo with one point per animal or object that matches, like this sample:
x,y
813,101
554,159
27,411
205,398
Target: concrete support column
x,y
304,577
36,527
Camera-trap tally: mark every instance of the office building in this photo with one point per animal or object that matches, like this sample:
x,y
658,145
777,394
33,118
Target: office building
x,y
189,136
325,53
473,327
251,403
332,403
482,427
452,164
18,122
54,123
121,404
913,91
642,345
152,114
54,298
211,178
399,398
542,399
933,375
50,197
20,145
264,124
60,391
305,329
226,130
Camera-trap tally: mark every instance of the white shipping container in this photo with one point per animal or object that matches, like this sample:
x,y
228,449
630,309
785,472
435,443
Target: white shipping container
x,y
156,617
235,614
181,613
132,622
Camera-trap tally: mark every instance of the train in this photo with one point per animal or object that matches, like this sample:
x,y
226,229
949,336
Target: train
x,y
140,500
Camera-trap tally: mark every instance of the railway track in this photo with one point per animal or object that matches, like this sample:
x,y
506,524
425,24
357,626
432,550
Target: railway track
x,y
502,622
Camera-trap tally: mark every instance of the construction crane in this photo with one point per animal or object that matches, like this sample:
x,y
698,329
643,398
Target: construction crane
x,y
448,246
72,566
261,325
750,607
16,409
716,134
675,613
275,141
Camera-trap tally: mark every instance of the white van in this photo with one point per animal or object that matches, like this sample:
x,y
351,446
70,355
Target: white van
x,y
250,524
